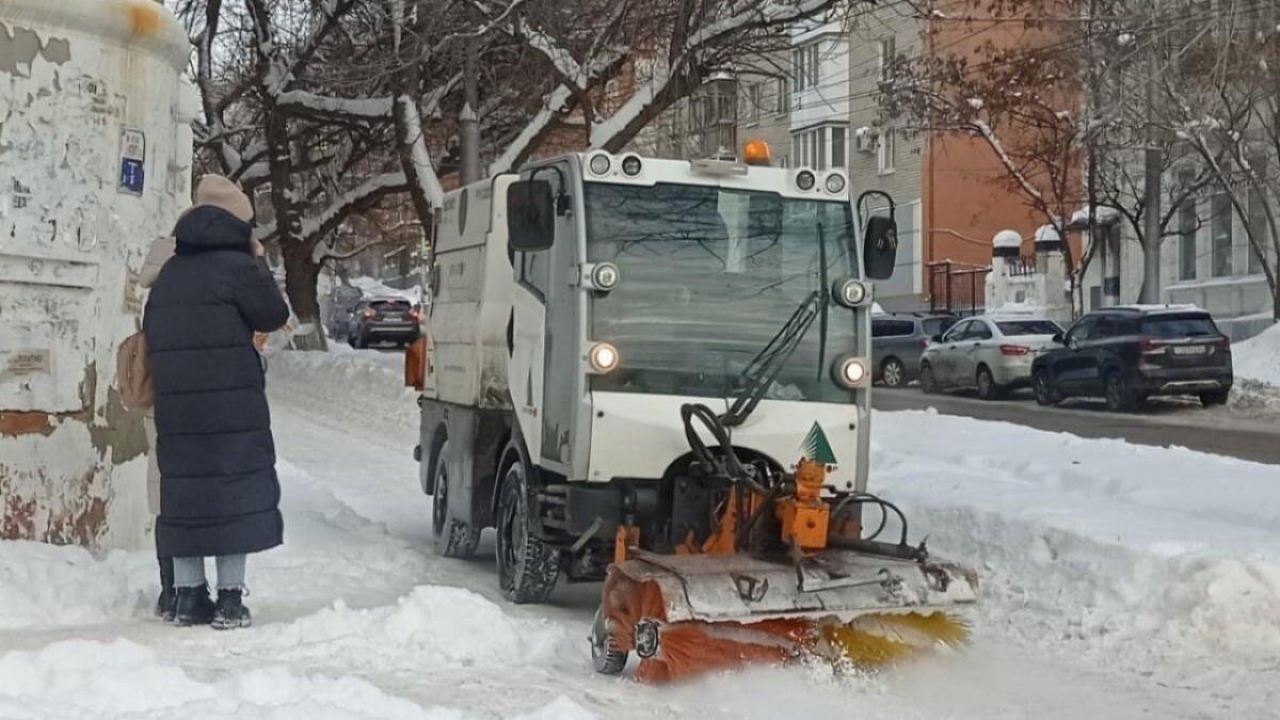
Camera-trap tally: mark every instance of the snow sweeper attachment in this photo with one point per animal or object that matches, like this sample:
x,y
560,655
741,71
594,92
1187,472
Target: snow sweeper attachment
x,y
785,575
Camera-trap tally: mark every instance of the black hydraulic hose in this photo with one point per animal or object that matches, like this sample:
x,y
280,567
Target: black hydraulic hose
x,y
735,469
867,498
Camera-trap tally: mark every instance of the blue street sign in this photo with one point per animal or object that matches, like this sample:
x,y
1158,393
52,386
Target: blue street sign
x,y
132,176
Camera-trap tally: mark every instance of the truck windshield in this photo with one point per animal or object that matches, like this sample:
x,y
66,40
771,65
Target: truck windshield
x,y
709,276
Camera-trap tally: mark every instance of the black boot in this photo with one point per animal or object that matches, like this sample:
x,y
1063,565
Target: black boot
x,y
231,612
167,603
195,607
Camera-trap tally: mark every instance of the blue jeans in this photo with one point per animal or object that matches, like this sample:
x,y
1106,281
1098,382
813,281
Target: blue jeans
x,y
189,572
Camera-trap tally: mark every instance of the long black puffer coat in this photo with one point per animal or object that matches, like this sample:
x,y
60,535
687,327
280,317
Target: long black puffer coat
x,y
219,492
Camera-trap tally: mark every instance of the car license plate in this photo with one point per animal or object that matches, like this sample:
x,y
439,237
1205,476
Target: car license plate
x,y
1189,349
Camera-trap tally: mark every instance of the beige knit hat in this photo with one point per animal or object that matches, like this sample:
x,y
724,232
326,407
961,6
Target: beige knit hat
x,y
217,191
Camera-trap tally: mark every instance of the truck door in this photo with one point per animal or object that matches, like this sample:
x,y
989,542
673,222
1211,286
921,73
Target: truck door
x,y
544,368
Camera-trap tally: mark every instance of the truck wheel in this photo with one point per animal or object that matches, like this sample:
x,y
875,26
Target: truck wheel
x,y
928,383
450,537
527,568
1215,397
1046,393
604,658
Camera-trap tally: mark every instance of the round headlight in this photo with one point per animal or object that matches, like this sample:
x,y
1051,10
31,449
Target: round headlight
x,y
603,357
850,372
631,165
605,276
600,164
835,183
805,180
851,293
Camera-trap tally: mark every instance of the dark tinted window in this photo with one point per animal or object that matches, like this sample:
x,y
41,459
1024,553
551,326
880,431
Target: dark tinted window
x,y
1083,330
892,328
937,326
1179,326
1028,327
391,305
978,330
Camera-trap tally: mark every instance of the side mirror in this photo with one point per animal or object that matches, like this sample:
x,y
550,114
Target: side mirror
x,y
1059,339
936,338
880,248
531,216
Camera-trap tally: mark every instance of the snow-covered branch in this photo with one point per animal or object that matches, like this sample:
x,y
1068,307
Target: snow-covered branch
x,y
303,102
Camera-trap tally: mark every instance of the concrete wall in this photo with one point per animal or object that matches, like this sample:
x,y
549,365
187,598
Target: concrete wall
x,y
95,162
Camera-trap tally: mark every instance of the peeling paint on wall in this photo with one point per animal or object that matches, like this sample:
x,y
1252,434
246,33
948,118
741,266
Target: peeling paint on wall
x,y
72,458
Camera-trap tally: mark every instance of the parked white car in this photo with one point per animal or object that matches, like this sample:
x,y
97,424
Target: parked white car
x,y
989,353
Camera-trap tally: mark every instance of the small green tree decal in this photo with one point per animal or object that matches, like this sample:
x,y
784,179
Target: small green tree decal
x,y
817,448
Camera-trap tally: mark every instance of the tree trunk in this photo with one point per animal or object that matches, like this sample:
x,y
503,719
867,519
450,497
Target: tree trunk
x,y
301,276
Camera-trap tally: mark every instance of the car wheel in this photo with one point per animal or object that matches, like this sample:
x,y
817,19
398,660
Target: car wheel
x,y
988,389
1046,394
450,537
1117,393
892,373
527,568
1215,397
928,382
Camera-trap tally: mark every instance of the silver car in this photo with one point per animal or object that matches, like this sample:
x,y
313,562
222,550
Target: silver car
x,y
989,353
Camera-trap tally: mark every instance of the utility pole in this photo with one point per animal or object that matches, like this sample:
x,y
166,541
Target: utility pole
x,y
1151,205
470,121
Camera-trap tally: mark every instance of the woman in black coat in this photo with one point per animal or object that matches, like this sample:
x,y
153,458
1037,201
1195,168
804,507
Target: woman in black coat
x,y
219,494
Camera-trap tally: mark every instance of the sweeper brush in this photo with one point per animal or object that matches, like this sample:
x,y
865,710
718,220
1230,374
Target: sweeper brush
x,y
784,576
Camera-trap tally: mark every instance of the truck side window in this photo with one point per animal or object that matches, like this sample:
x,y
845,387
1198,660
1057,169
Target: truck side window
x,y
535,271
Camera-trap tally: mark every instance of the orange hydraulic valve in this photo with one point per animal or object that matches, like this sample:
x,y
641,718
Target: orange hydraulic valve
x,y
806,518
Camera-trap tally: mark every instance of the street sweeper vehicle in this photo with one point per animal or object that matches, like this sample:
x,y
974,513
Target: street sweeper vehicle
x,y
655,373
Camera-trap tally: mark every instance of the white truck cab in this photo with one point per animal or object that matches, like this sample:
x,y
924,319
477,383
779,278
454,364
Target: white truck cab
x,y
579,306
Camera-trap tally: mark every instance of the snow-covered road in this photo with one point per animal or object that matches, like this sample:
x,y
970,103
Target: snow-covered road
x,y
1120,582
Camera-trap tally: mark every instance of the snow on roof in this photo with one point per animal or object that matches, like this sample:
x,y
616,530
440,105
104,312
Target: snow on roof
x,y
1104,215
1165,308
1007,239
1048,233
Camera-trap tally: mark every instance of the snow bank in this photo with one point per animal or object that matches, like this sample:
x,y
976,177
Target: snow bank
x,y
77,679
47,585
1258,358
1129,549
432,627
367,385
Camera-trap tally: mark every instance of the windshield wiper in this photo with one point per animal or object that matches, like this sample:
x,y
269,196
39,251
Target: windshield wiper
x,y
760,373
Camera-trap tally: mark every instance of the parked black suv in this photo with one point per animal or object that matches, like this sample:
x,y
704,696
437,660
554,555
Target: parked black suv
x,y
384,320
1128,354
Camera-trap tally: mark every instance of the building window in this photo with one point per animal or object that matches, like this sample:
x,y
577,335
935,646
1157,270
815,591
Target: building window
x,y
1187,222
888,57
782,102
838,152
753,102
1258,229
887,151
1221,235
807,67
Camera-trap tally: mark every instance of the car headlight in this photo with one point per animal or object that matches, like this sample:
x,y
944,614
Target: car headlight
x,y
631,165
835,183
604,358
851,293
850,372
805,180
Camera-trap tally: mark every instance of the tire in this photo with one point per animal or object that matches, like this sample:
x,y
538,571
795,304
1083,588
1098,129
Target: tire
x,y
606,660
928,383
527,568
988,388
1046,393
1214,398
1117,393
450,537
893,373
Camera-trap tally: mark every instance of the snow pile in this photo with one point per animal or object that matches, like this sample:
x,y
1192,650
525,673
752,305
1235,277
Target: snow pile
x,y
375,288
80,680
46,585
1123,547
368,385
432,627
1258,358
